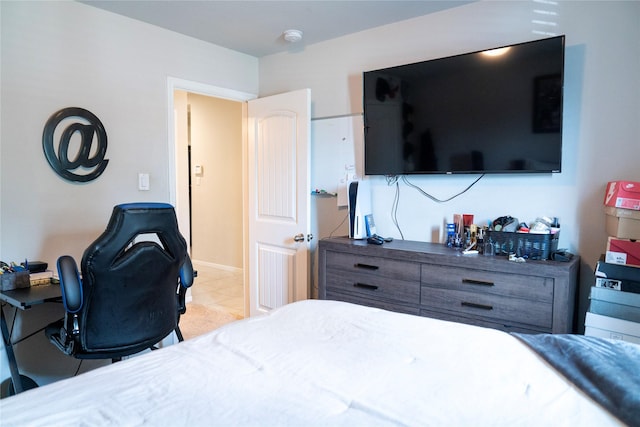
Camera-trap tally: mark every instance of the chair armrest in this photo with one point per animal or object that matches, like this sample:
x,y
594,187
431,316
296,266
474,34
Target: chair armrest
x,y
186,273
185,281
70,284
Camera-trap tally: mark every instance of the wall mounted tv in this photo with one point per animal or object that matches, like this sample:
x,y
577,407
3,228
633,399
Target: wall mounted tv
x,y
469,113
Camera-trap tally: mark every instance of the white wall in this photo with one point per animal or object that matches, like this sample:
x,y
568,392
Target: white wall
x,y
217,217
601,122
63,54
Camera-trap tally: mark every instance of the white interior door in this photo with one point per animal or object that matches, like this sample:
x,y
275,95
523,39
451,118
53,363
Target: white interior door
x,y
279,199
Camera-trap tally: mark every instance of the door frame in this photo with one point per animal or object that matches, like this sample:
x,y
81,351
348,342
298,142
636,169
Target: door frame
x,y
177,168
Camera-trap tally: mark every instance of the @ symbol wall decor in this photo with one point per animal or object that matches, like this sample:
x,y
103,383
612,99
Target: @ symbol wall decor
x,y
71,127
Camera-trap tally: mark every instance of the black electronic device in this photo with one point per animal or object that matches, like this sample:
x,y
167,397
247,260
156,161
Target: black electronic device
x,y
376,240
469,113
36,266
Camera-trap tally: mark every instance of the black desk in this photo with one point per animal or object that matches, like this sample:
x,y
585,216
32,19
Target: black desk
x,y
24,299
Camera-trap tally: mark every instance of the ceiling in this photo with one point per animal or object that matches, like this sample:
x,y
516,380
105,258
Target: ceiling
x,y
256,27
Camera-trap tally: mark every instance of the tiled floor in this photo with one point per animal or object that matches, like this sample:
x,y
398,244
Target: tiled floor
x,y
218,288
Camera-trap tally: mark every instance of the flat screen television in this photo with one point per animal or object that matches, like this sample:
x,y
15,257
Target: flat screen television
x,y
494,111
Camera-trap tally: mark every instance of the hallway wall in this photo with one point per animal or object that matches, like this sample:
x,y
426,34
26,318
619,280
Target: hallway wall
x,y
216,215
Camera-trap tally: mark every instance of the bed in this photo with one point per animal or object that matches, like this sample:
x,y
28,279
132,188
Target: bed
x,y
329,363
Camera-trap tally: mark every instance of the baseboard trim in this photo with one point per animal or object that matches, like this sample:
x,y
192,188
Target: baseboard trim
x,y
197,263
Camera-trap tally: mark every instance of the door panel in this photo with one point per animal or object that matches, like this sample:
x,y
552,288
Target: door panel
x,y
276,266
276,163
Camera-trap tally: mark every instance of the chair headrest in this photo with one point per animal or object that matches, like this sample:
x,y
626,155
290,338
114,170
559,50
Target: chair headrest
x,y
136,220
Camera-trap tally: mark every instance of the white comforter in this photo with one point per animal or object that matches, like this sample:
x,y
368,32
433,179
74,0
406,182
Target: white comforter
x,y
320,363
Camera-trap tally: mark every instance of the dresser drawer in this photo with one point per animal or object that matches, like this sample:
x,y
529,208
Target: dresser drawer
x,y
533,288
381,267
373,302
497,308
481,321
373,286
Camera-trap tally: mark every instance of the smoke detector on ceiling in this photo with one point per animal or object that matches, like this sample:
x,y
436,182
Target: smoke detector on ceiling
x,y
292,36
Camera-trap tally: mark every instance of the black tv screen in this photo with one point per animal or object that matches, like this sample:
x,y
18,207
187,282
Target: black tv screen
x,y
469,113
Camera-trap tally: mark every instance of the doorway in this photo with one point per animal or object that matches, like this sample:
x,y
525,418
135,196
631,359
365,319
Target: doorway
x,y
208,170
215,193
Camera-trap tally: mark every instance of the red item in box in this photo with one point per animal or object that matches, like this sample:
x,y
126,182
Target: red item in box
x,y
623,251
623,194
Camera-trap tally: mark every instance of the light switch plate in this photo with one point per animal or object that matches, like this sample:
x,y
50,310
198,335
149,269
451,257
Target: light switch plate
x,y
143,181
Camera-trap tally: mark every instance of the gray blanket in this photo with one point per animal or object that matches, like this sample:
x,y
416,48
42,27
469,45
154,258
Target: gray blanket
x,y
606,370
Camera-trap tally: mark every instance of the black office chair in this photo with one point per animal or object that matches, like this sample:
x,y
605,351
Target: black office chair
x,y
132,289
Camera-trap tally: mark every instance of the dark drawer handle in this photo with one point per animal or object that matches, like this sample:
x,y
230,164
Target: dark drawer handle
x,y
365,286
474,305
366,266
477,282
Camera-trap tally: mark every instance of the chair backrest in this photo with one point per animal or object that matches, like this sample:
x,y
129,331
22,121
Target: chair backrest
x,y
129,280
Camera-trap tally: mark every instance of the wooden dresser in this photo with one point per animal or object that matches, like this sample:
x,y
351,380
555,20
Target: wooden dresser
x,y
432,280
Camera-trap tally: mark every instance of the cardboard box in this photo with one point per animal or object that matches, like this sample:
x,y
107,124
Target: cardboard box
x,y
623,194
618,277
42,278
623,251
612,303
597,325
622,223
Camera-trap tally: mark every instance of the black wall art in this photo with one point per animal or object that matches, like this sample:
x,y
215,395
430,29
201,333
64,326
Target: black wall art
x,y
87,161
